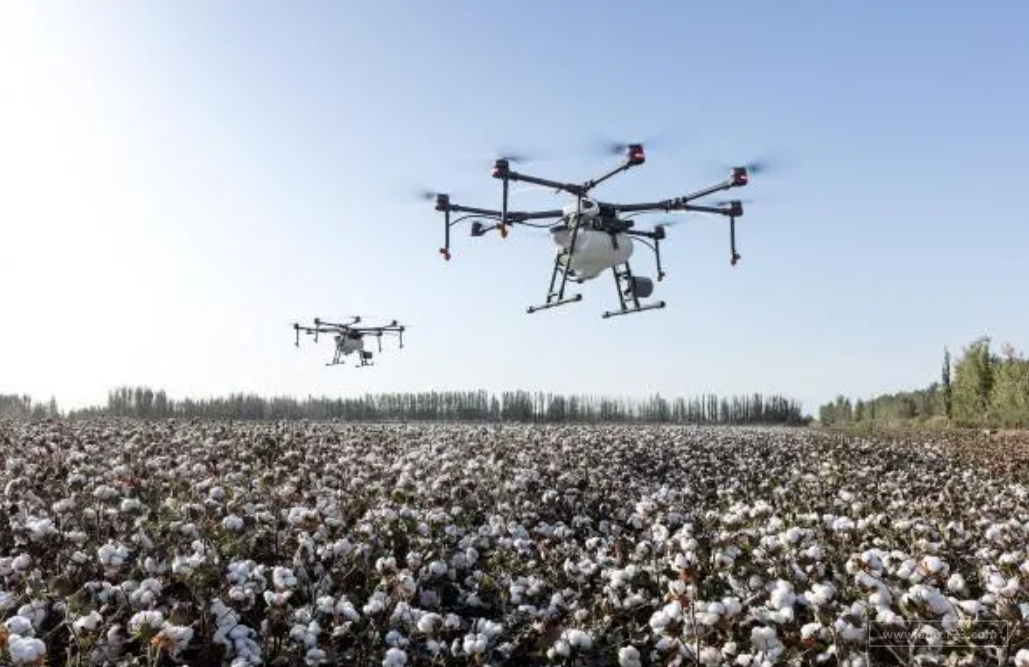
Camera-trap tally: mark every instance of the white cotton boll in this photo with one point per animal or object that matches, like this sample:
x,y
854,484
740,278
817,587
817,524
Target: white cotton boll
x,y
386,565
21,563
578,639
810,630
792,535
956,583
429,622
842,524
35,611
708,618
710,656
782,595
394,658
559,649
733,606
880,598
820,594
906,569
847,631
933,565
149,619
87,623
1022,658
40,529
232,523
673,610
396,639
684,561
76,536
474,644
19,625
629,656
764,638
283,577
659,620
813,552
25,650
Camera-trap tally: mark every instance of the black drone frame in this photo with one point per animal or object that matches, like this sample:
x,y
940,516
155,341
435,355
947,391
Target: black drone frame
x,y
607,220
348,330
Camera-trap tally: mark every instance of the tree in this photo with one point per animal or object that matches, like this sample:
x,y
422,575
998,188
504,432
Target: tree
x,y
947,392
973,383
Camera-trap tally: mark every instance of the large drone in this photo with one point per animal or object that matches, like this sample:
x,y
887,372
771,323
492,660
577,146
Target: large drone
x,y
593,236
350,338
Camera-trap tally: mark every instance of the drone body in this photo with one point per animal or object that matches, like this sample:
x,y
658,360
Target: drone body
x,y
593,236
349,338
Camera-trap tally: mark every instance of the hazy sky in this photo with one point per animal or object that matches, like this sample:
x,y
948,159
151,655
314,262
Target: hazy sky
x,y
179,181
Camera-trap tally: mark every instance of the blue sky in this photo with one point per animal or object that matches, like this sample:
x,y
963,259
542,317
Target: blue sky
x,y
181,181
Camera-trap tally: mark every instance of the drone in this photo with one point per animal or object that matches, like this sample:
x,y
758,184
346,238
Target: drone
x,y
350,338
593,236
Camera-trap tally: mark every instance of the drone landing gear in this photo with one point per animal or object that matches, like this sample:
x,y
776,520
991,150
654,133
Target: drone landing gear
x,y
558,298
630,290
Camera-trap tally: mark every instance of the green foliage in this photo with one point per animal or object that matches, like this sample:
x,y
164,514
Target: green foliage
x,y
474,406
512,406
980,389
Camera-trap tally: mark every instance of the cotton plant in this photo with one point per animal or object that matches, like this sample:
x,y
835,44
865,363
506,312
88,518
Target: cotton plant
x,y
327,543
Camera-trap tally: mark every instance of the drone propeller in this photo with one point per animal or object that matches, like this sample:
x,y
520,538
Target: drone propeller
x,y
762,165
516,157
612,147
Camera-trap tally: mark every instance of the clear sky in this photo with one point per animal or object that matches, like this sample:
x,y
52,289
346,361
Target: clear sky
x,y
179,181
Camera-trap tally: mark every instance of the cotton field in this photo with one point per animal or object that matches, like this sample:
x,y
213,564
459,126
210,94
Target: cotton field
x,y
137,543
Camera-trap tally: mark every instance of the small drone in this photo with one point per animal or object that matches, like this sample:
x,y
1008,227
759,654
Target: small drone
x,y
350,338
594,236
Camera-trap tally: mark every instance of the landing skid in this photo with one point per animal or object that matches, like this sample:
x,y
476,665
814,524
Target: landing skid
x,y
557,298
630,303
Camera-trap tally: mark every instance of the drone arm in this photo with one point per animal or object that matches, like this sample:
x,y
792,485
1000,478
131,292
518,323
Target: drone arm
x,y
335,325
625,166
517,216
739,179
507,175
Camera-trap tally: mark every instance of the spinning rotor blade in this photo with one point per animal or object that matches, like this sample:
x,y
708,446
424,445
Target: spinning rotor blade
x,y
516,157
762,165
612,147
426,194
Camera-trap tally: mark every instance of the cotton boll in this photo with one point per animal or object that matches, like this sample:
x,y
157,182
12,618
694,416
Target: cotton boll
x,y
25,650
19,625
629,656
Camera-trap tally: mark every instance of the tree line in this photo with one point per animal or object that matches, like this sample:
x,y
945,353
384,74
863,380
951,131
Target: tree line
x,y
481,406
982,388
